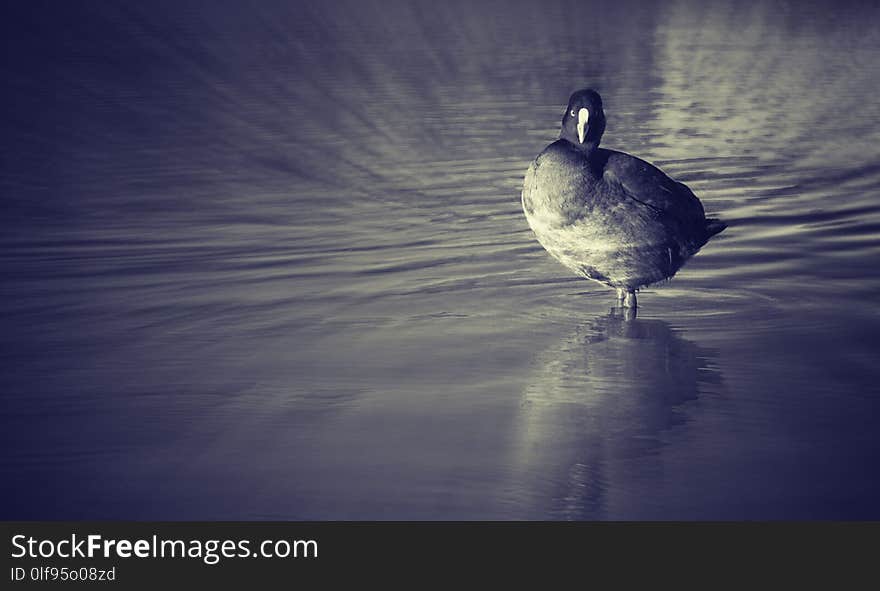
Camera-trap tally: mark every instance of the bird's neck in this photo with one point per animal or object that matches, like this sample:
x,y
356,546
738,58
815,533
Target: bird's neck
x,y
588,148
591,156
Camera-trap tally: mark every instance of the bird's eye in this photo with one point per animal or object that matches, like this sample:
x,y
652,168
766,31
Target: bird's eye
x,y
573,113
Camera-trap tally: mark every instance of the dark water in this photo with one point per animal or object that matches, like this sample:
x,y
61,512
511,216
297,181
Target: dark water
x,y
269,262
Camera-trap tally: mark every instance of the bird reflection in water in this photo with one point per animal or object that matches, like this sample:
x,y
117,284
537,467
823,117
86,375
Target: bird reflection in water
x,y
598,414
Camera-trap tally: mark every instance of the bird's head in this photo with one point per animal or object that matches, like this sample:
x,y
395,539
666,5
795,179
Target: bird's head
x,y
583,122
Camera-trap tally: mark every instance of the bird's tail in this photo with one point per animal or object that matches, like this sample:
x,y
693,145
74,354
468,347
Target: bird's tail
x,y
714,226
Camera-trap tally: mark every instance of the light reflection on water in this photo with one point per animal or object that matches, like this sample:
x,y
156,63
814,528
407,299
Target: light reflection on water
x,y
602,402
272,264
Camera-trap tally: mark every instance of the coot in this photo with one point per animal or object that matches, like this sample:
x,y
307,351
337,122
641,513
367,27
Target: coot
x,y
606,215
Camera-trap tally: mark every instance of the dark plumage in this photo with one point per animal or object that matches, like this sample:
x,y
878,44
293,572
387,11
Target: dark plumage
x,y
606,215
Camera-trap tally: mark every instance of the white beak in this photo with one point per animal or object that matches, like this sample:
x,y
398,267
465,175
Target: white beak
x,y
583,117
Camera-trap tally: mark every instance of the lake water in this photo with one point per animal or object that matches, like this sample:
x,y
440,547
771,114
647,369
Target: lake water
x,y
269,262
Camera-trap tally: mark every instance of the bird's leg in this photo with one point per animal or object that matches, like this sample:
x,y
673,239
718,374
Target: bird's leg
x,y
621,294
629,300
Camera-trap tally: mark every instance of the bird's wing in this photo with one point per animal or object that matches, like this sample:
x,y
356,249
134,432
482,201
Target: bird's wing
x,y
647,184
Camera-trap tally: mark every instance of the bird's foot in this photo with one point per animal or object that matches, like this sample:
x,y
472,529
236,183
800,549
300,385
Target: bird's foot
x,y
626,301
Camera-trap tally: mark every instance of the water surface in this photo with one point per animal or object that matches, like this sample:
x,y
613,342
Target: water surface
x,y
269,262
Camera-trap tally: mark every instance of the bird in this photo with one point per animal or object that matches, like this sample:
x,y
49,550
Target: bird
x,y
606,215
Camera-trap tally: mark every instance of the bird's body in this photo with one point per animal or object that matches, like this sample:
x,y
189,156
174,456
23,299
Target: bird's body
x,y
606,215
